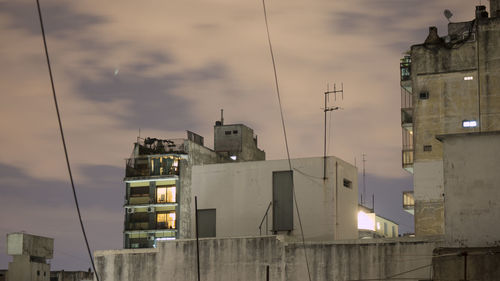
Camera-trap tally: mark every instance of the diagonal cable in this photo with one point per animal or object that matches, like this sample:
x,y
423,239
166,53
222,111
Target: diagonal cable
x,y
284,133
62,137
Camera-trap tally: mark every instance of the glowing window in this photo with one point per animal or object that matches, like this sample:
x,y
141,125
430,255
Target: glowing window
x,y
378,225
233,157
165,194
469,123
165,220
467,78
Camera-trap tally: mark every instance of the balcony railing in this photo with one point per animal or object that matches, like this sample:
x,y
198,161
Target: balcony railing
x,y
407,159
405,67
408,201
152,166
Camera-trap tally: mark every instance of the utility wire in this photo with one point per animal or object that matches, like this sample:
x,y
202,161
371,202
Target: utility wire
x,y
284,133
62,138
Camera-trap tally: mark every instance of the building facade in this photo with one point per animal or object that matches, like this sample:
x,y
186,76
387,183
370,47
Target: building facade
x,y
449,85
257,198
158,181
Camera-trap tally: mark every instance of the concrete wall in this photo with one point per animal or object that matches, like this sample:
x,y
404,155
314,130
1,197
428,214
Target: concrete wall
x,y
241,192
197,155
439,68
31,245
232,259
466,264
472,189
237,140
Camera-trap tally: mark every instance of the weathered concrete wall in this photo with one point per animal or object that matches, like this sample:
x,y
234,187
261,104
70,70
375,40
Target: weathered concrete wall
x,y
429,200
31,245
458,264
197,155
472,189
228,259
462,80
241,192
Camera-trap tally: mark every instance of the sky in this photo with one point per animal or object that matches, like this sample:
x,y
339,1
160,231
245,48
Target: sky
x,y
159,68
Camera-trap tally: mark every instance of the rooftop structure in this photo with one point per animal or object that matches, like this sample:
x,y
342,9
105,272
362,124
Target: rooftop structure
x,y
449,85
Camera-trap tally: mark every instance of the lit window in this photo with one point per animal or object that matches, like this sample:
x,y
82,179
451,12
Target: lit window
x,y
233,157
166,220
467,78
165,194
469,123
378,225
366,221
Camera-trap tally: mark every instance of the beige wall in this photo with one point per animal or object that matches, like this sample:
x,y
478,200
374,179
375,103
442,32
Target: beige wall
x,y
472,189
241,192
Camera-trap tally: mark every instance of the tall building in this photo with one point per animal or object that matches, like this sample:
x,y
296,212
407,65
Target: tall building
x,y
158,180
449,85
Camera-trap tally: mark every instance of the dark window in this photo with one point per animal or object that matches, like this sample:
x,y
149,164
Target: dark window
x,y
227,132
283,201
424,95
207,222
235,132
347,183
38,272
140,191
427,147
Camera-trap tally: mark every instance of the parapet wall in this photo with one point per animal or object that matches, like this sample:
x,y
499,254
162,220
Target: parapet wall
x,y
229,259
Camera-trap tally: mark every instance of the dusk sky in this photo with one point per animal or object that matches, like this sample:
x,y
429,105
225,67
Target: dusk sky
x,y
163,67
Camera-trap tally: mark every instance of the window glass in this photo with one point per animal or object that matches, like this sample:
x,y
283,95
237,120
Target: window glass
x,y
165,194
166,220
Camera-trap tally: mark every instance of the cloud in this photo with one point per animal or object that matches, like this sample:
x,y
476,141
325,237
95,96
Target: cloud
x,y
46,207
60,19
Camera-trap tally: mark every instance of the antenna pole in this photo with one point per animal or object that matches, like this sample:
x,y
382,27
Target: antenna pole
x,y
364,184
325,110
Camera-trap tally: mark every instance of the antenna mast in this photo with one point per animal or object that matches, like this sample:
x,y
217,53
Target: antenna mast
x,y
363,195
325,110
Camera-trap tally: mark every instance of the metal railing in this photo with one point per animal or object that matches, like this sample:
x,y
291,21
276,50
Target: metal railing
x,y
143,167
265,218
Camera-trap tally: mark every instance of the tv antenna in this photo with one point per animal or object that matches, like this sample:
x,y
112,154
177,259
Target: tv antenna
x,y
327,109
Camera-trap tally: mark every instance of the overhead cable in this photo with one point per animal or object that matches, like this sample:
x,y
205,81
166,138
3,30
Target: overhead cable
x,y
284,133
63,139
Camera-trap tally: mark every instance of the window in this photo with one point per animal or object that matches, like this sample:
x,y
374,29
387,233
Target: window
x,y
385,228
140,191
235,132
347,183
424,95
394,231
469,123
427,147
227,132
165,194
165,220
207,219
468,78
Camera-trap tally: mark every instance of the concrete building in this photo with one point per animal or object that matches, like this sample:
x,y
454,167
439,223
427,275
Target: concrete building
x,y
158,180
252,198
449,85
472,189
250,258
30,254
371,225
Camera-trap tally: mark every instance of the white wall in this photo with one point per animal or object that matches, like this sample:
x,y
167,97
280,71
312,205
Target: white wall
x,y
472,189
241,192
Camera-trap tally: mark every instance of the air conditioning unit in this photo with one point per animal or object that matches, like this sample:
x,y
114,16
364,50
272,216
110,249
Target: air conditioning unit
x,y
130,210
151,209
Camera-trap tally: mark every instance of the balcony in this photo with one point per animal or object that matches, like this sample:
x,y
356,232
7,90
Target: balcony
x,y
405,68
148,166
409,202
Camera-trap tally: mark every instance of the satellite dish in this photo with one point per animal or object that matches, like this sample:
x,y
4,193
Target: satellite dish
x,y
448,14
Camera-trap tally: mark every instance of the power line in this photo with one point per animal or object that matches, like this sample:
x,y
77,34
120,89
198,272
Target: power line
x,y
284,133
63,139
